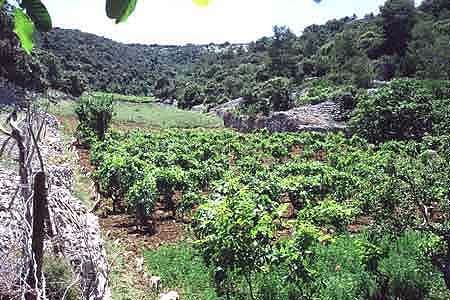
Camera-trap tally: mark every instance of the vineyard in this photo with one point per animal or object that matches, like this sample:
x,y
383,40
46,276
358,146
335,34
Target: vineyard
x,y
291,216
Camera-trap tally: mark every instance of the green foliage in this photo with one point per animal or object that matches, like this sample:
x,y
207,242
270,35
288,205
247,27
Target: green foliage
x,y
24,28
235,234
239,187
193,95
120,10
398,17
38,13
181,268
59,278
94,116
142,195
401,110
329,213
408,275
325,90
340,269
272,95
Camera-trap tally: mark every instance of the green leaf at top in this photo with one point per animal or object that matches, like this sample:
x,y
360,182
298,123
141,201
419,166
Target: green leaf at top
x,y
1,3
24,28
38,13
130,9
120,10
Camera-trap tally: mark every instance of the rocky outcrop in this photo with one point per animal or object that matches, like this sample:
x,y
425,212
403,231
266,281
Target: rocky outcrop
x,y
322,117
227,107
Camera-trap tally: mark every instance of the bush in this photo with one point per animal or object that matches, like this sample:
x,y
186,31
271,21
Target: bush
x,y
329,213
95,115
407,272
400,110
271,95
341,269
142,197
192,95
236,234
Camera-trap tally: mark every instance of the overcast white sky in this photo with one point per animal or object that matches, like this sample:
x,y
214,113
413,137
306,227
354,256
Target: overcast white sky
x,y
181,21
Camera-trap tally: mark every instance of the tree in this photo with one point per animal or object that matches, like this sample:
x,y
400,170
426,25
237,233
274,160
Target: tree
x,y
236,234
283,60
425,187
398,19
95,116
271,95
401,110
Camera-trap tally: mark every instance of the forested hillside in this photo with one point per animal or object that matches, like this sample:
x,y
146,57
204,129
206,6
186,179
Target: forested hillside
x,y
402,41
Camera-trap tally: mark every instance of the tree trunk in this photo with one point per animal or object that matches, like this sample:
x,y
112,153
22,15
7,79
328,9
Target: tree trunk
x,y
248,277
446,266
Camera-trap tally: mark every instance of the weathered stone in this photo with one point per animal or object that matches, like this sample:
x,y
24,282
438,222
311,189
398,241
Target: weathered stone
x,y
323,117
199,108
222,109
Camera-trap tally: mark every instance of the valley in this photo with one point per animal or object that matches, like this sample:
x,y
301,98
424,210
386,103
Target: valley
x,y
311,165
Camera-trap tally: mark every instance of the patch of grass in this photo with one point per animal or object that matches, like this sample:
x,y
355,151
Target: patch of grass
x,y
123,281
181,269
124,98
149,115
154,115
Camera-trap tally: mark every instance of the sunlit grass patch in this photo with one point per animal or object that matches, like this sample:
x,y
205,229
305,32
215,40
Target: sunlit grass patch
x,y
181,269
125,98
150,115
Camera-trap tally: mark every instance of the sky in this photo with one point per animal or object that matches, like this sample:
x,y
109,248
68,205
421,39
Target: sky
x,y
181,21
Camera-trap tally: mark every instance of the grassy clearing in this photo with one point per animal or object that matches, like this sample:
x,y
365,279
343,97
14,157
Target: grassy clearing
x,y
125,98
149,115
154,115
182,270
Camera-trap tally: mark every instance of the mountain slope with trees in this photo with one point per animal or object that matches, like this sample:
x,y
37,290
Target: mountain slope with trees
x,y
402,41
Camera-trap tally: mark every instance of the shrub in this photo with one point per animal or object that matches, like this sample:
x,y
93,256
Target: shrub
x,y
271,95
236,234
341,269
407,272
400,110
142,197
193,94
329,213
95,115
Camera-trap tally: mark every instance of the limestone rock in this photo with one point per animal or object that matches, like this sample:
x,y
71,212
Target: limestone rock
x,y
322,117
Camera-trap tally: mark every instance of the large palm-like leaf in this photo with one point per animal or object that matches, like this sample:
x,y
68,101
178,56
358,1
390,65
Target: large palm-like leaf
x,y
38,13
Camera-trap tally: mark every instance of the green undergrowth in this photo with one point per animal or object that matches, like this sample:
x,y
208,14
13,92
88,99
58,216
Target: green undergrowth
x,y
181,269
